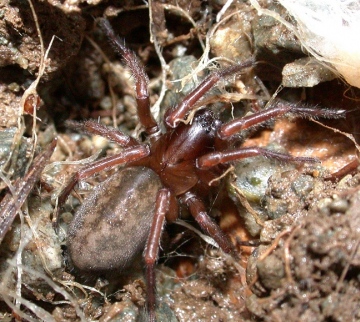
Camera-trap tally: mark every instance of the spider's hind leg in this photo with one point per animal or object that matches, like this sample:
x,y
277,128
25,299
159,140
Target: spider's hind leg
x,y
163,208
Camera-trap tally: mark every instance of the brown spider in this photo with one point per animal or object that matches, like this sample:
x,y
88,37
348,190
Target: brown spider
x,y
126,214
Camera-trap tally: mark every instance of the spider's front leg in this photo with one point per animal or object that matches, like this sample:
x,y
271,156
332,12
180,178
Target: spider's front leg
x,y
215,158
91,127
175,115
226,131
141,79
278,110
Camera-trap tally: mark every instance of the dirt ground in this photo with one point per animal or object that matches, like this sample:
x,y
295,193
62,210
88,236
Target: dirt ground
x,y
296,227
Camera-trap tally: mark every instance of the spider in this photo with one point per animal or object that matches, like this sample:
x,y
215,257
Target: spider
x,y
126,214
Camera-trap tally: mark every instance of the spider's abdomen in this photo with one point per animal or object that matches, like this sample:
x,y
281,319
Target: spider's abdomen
x,y
111,227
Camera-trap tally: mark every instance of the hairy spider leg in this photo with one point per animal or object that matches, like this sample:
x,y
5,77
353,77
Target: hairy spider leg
x,y
198,211
163,207
215,158
278,109
114,135
237,125
178,113
141,79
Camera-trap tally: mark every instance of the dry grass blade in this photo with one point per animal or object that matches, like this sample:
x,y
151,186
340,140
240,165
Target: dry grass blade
x,y
11,204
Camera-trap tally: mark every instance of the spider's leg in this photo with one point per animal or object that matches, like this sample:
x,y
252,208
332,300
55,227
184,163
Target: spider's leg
x,y
126,155
198,211
280,109
138,72
92,127
162,208
179,111
214,158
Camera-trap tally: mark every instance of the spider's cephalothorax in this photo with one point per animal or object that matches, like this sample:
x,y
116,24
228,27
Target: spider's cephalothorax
x,y
173,154
126,214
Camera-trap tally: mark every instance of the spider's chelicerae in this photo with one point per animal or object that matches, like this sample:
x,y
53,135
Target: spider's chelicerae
x,y
114,224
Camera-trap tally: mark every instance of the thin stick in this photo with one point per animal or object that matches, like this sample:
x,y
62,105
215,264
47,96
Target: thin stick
x,y
11,204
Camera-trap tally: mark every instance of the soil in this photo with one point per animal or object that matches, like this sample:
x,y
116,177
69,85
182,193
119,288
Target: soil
x,y
296,226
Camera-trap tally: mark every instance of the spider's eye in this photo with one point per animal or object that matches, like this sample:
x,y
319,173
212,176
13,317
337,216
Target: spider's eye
x,y
207,120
